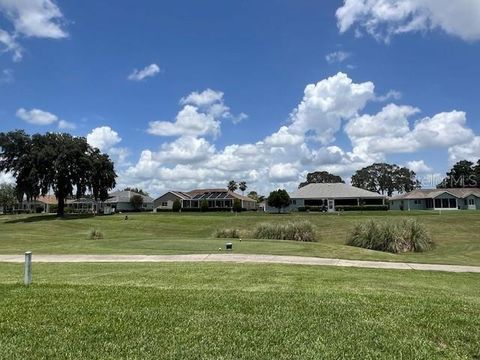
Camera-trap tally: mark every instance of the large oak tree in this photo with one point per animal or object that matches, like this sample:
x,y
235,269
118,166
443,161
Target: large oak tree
x,y
65,164
463,174
385,179
321,177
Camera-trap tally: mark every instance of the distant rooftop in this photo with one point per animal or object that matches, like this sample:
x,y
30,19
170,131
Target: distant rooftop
x,y
433,193
335,190
209,194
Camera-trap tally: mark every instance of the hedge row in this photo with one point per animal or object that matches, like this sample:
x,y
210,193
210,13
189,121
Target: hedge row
x,y
362,208
312,208
344,208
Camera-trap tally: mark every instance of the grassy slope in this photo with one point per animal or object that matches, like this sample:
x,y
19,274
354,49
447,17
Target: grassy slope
x,y
457,235
215,311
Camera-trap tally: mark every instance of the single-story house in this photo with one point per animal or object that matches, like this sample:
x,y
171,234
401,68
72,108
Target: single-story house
x,y
41,204
122,201
217,199
437,199
331,197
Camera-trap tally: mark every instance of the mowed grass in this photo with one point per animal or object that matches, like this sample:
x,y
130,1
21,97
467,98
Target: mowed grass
x,y
233,311
456,234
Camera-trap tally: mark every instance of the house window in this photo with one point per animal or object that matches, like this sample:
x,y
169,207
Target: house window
x,y
453,203
471,201
164,203
294,202
445,203
438,203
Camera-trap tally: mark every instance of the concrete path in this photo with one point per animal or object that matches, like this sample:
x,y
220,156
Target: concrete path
x,y
239,258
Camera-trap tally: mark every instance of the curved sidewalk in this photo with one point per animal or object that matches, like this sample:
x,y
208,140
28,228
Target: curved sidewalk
x,y
240,258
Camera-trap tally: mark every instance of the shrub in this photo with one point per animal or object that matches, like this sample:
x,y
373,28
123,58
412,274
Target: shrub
x,y
204,206
95,234
391,236
177,206
298,231
227,233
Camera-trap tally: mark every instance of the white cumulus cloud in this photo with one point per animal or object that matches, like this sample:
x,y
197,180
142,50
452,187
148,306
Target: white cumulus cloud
x,y
36,116
418,166
148,71
385,18
43,118
103,138
30,18
201,115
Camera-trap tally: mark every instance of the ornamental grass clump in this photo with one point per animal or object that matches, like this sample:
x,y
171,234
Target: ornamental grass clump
x,y
227,234
298,231
95,234
406,235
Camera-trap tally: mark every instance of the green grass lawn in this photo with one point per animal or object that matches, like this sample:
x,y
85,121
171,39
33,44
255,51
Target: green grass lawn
x,y
457,235
227,311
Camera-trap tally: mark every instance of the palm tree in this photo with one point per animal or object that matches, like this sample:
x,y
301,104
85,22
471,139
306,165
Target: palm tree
x,y
232,186
242,186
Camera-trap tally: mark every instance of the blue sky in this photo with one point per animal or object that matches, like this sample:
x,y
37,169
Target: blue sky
x,y
187,94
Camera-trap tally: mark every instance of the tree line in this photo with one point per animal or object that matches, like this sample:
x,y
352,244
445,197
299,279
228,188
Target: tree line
x,y
57,162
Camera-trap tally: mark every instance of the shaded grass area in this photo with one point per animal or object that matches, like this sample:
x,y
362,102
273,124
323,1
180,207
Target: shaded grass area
x,y
456,235
227,311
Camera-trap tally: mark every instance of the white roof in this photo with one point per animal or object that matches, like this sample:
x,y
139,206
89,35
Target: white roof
x,y
333,191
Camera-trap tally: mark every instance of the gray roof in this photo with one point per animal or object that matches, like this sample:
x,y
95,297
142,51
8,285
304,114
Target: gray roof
x,y
125,196
333,191
433,193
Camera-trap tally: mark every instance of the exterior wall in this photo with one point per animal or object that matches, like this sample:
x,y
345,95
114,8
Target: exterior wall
x,y
298,203
464,203
409,204
127,206
249,205
167,198
294,205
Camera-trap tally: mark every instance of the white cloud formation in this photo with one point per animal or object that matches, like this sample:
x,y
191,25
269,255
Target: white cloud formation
x,y
37,116
390,95
201,115
326,103
66,125
30,18
385,18
186,149
189,121
205,98
418,166
43,118
280,173
148,71
389,131
106,140
103,138
467,151
337,56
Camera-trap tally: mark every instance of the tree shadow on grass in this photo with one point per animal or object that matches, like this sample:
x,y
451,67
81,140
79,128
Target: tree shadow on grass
x,y
39,218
